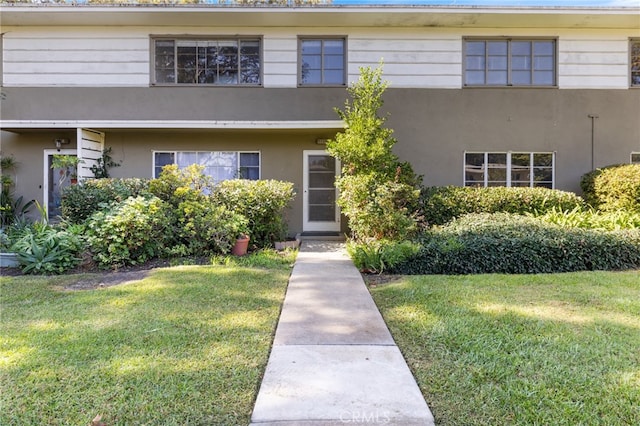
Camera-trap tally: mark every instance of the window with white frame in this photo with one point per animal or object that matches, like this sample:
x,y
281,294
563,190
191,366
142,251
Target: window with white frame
x,y
509,169
634,61
509,62
219,165
212,61
322,61
635,158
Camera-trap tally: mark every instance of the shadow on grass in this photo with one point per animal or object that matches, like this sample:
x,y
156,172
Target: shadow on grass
x,y
503,350
187,345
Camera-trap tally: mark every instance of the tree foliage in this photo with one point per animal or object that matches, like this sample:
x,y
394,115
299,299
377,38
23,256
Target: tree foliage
x,y
378,193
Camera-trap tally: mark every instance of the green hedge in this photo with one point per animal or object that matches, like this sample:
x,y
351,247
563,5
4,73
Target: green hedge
x,y
262,202
513,244
613,188
442,204
79,202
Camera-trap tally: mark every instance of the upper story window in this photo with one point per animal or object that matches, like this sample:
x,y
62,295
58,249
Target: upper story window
x,y
219,165
509,62
509,169
220,61
634,60
322,62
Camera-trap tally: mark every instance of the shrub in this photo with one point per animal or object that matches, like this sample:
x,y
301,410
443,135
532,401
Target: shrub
x,y
593,219
376,256
378,193
79,202
513,244
442,204
45,249
613,188
175,185
378,210
206,228
262,202
131,232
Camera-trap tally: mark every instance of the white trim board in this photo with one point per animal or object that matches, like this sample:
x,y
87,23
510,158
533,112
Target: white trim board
x,y
171,124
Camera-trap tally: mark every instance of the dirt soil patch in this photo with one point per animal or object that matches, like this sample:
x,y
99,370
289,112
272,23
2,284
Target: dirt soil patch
x,y
374,280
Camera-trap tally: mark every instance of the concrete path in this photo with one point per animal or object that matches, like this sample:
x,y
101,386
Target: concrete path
x,y
333,360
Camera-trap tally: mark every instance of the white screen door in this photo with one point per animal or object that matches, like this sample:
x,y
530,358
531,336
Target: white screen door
x,y
321,213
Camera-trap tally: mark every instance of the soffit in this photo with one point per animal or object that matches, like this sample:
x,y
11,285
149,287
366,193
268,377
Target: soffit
x,y
328,16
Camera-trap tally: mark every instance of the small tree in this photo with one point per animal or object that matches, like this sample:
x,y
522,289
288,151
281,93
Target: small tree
x,y
378,193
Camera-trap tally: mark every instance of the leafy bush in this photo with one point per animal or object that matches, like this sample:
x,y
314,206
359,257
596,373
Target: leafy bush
x,y
442,204
206,228
134,231
175,185
613,188
378,210
45,249
262,202
593,219
376,256
378,193
79,202
513,244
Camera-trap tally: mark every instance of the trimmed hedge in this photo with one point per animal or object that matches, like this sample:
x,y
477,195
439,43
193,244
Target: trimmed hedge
x,y
613,188
80,201
442,204
513,244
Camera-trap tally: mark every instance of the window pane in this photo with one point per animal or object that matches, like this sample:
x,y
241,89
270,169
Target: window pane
x,y
497,48
521,48
474,77
543,48
186,159
165,76
543,78
635,158
543,63
334,47
543,160
334,62
312,61
475,63
313,47
520,160
497,160
161,159
635,63
311,76
334,77
474,159
497,77
521,63
475,48
250,173
497,63
542,175
249,159
521,78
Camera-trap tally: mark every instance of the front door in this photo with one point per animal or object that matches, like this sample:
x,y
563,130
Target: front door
x,y
321,213
55,180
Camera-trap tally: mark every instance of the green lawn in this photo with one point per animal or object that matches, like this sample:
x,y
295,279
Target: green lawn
x,y
521,349
186,345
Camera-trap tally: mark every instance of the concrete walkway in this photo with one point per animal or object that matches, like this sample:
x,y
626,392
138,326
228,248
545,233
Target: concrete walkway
x,y
333,360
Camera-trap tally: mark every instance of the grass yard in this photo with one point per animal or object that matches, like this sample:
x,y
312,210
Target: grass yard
x,y
186,345
560,349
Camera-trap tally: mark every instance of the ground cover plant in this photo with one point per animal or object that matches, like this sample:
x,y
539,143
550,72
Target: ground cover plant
x,y
185,345
556,349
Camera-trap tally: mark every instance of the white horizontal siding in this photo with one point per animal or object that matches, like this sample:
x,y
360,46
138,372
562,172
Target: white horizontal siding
x,y
419,57
75,57
428,62
280,58
593,63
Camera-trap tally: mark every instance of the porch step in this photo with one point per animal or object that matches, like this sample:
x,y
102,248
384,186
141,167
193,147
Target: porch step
x,y
320,236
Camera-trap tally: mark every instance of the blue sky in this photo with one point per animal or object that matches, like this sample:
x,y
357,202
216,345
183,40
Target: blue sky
x,y
601,3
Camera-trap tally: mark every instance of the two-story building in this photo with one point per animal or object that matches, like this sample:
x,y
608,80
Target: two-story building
x,y
518,96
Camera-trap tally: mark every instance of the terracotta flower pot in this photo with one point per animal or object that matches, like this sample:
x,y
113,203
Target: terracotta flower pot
x,y
241,246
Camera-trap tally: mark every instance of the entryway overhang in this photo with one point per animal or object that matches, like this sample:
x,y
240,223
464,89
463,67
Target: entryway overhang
x,y
20,126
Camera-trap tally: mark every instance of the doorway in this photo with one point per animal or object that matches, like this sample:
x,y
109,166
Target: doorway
x,y
320,210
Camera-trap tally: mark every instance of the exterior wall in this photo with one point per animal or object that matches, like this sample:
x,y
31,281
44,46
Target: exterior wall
x,y
413,57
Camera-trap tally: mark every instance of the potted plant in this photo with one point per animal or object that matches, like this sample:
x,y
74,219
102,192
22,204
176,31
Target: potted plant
x,y
67,165
240,226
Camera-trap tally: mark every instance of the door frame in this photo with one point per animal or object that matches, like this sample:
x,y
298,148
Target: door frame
x,y
46,170
307,225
